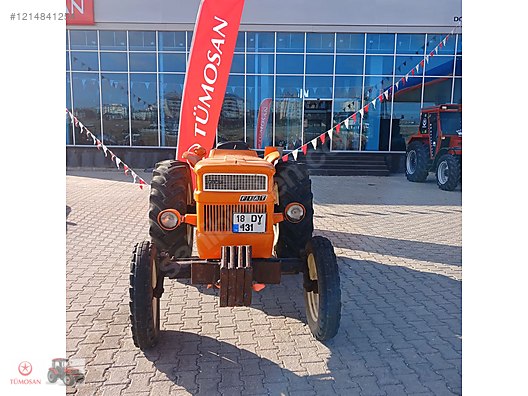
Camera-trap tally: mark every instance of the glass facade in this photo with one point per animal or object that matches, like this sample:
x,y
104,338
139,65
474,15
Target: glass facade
x,y
126,86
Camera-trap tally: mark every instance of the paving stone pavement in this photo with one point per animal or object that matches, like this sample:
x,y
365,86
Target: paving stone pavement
x,y
400,260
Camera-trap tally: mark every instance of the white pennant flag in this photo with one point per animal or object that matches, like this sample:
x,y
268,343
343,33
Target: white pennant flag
x,y
444,41
105,150
386,94
406,77
427,58
331,134
374,103
347,121
361,112
397,84
93,137
294,153
417,67
134,175
436,49
118,161
314,143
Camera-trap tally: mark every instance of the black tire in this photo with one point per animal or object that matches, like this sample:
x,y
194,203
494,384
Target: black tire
x,y
416,162
322,290
144,306
52,377
448,172
294,185
68,380
171,188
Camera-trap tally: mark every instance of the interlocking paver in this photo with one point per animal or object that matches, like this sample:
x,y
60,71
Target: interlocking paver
x,y
400,263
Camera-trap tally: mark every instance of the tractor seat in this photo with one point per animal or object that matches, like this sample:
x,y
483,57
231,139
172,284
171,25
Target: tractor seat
x,y
235,145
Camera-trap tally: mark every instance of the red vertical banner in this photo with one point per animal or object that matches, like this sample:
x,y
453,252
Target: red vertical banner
x,y
262,122
212,48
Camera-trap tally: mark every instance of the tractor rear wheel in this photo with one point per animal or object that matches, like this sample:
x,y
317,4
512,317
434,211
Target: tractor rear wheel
x,y
171,188
416,162
144,304
293,184
448,172
68,380
322,290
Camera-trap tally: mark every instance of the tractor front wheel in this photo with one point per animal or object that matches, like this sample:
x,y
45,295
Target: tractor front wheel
x,y
144,303
322,290
52,377
448,172
416,162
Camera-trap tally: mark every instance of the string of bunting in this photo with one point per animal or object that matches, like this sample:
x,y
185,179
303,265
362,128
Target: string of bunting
x,y
115,159
385,95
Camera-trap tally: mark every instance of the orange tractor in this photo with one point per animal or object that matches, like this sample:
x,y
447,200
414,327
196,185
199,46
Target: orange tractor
x,y
252,219
437,147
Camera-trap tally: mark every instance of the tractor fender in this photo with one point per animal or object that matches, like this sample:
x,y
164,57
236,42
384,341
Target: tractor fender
x,y
53,370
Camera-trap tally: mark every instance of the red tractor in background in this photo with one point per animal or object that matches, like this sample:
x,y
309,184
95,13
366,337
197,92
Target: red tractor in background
x,y
437,147
61,369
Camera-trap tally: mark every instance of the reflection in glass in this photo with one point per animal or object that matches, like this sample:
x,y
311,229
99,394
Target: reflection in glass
x,y
320,42
288,112
410,44
67,60
171,62
380,43
379,65
115,109
237,66
457,94
406,111
459,44
348,92
439,66
458,66
84,61
317,118
290,42
319,64
114,61
241,42
349,64
144,109
437,91
83,39
376,122
69,125
231,123
142,41
318,87
434,39
352,43
290,64
404,65
171,41
261,63
260,42
142,62
86,105
113,40
171,89
259,103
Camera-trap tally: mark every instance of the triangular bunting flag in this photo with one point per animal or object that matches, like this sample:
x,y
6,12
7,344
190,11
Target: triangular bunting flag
x,y
134,175
354,117
407,77
105,150
295,153
366,108
125,168
361,112
380,98
141,183
436,50
338,128
347,120
314,143
386,93
422,63
412,72
304,148
374,103
397,85
285,158
331,134
323,137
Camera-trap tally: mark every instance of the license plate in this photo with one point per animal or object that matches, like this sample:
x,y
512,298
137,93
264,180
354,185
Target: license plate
x,y
249,222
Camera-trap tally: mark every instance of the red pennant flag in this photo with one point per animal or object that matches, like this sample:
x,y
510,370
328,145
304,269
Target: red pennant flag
x,y
380,98
338,128
366,108
285,158
126,169
304,148
212,48
412,72
441,44
323,137
431,54
422,63
354,117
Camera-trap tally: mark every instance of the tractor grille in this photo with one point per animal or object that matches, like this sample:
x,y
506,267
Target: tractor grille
x,y
219,218
235,182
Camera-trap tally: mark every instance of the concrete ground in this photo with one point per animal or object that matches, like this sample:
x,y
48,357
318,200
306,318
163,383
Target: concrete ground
x,y
399,248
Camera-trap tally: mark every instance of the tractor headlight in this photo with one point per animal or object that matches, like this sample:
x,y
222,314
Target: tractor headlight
x,y
169,219
294,212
